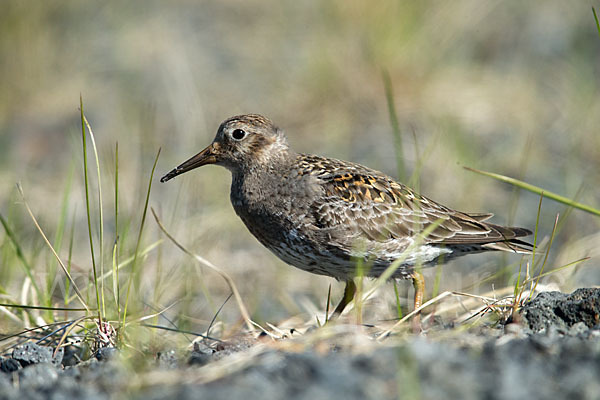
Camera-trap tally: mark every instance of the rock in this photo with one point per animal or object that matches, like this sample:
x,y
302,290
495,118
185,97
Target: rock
x,y
561,311
31,353
106,353
198,358
201,354
38,376
9,365
71,356
167,359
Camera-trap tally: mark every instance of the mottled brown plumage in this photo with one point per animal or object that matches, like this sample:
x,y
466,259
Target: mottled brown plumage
x,y
321,215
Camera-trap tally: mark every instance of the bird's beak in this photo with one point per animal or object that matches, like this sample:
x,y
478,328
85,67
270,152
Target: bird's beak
x,y
206,156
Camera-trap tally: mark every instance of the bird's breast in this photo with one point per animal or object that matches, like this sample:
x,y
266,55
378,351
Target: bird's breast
x,y
276,211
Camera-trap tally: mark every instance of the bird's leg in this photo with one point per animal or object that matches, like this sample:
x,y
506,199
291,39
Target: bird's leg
x,y
419,285
349,292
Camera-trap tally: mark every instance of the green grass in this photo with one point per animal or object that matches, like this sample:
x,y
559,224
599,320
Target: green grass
x,y
106,306
133,274
87,203
596,19
397,134
538,190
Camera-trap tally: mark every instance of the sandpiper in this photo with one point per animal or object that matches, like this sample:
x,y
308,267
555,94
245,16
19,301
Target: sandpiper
x,y
322,215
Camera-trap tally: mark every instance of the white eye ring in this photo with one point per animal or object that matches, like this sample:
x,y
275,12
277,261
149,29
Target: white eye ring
x,y
238,134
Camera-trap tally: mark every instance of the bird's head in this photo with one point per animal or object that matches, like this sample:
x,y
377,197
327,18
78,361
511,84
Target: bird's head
x,y
242,142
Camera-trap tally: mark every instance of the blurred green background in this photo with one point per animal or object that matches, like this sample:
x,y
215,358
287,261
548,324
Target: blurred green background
x,y
510,87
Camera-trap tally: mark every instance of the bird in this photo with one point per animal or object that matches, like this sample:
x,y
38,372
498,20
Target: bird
x,y
324,215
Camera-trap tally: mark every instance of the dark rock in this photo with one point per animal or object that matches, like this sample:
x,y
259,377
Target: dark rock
x,y
71,356
58,357
199,358
9,365
31,353
106,353
202,354
562,311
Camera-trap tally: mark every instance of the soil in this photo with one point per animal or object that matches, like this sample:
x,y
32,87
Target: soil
x,y
550,350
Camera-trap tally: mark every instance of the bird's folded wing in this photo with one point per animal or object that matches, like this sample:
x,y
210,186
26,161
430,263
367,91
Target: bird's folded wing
x,y
359,201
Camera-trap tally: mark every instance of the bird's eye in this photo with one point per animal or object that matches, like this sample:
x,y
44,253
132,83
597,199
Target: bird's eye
x,y
238,134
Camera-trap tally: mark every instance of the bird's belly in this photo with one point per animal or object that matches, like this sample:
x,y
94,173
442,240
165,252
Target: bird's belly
x,y
295,247
345,264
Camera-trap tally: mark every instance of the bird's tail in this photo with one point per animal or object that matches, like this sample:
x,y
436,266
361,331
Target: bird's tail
x,y
512,245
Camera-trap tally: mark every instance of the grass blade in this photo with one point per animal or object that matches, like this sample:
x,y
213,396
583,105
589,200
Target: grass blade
x,y
596,18
42,307
115,280
117,188
538,190
139,238
541,275
87,206
166,328
243,310
389,96
20,255
546,255
398,304
123,264
69,259
115,258
100,213
214,318
328,303
59,234
79,295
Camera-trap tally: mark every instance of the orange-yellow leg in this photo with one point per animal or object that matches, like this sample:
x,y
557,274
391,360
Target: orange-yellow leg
x,y
349,292
419,285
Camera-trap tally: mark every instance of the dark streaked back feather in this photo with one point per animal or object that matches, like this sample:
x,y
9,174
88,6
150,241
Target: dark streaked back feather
x,y
364,202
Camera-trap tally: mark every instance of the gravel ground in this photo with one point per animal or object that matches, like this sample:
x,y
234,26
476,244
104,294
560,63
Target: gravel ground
x,y
552,350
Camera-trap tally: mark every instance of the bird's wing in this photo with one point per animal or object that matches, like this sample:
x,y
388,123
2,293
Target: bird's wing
x,y
359,202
